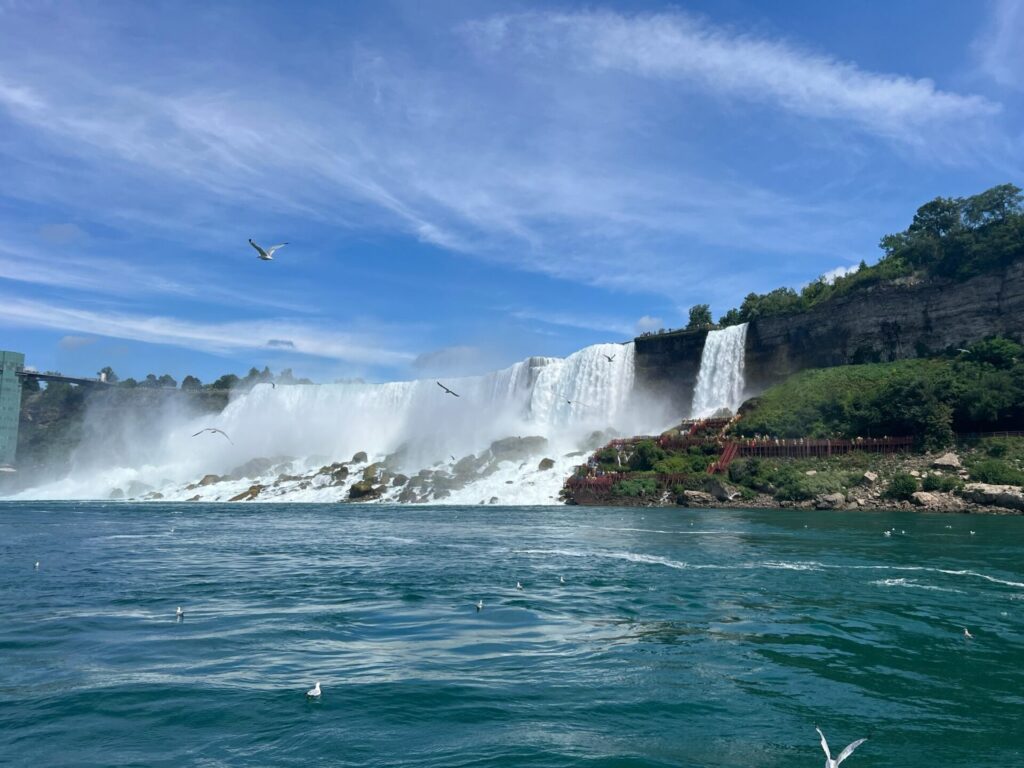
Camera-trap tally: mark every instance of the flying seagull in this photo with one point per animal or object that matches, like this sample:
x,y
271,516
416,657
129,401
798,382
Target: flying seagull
x,y
829,762
446,390
609,358
314,692
577,402
214,429
266,255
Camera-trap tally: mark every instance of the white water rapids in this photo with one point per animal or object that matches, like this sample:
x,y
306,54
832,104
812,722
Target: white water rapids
x,y
720,382
292,431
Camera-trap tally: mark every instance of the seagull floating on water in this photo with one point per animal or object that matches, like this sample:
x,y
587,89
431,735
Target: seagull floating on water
x,y
447,391
967,634
268,254
216,431
829,762
180,614
972,533
887,533
561,579
480,605
518,585
314,692
37,565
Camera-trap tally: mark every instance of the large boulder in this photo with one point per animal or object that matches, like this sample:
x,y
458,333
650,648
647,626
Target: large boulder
x,y
209,480
364,491
517,448
696,499
360,458
947,461
1008,496
252,468
546,464
830,501
720,490
926,499
248,495
869,478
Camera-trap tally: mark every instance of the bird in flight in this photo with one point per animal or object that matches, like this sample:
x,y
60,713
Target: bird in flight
x,y
609,358
577,402
829,762
447,391
266,255
217,431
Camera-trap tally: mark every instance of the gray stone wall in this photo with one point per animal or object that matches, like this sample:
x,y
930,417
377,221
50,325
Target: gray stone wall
x,y
884,323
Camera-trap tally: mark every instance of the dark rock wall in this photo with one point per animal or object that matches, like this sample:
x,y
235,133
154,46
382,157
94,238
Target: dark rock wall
x,y
884,323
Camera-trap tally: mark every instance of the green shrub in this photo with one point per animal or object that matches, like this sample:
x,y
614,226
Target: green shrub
x,y
644,486
996,472
902,486
645,455
943,483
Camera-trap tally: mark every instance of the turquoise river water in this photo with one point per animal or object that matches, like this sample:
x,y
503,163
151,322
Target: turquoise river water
x,y
678,638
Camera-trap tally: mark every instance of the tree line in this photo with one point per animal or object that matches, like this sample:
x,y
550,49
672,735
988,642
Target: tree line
x,y
949,237
194,384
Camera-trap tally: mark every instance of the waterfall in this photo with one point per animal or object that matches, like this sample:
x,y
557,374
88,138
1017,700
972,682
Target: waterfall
x,y
413,423
720,380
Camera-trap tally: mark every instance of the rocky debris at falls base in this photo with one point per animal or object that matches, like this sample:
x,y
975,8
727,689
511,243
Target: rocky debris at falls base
x,y
507,471
949,481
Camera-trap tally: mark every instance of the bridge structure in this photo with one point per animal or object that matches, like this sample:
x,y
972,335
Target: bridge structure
x,y
12,376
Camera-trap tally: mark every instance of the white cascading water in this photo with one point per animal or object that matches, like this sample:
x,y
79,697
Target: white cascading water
x,y
305,427
720,382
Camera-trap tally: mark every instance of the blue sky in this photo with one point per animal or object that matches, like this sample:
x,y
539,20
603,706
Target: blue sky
x,y
464,184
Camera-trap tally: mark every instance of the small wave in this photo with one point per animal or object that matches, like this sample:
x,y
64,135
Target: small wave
x,y
786,566
913,584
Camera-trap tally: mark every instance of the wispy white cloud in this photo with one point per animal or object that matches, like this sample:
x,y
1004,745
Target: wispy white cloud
x,y
682,47
1000,46
568,198
220,338
648,323
75,342
575,320
836,272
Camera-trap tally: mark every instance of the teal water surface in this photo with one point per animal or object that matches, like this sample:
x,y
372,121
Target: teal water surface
x,y
679,638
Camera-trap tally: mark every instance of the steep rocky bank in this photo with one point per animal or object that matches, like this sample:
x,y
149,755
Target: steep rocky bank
x,y
888,321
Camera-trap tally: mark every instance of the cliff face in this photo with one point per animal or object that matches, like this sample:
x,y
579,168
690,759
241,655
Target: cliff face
x,y
667,366
884,323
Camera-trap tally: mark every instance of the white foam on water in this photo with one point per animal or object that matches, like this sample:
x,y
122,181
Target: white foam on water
x,y
301,428
909,583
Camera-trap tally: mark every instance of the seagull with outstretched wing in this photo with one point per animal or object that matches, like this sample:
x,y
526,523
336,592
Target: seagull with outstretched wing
x,y
215,430
829,762
447,391
609,358
268,254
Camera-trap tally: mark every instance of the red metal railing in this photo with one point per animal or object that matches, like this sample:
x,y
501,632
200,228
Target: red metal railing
x,y
798,447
